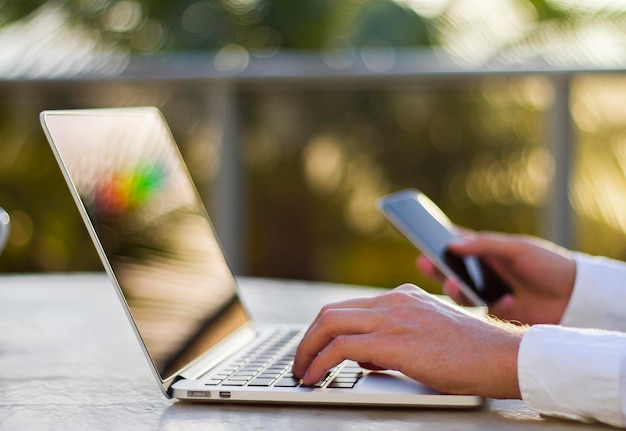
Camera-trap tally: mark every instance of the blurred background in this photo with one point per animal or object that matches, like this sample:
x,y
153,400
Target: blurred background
x,y
294,116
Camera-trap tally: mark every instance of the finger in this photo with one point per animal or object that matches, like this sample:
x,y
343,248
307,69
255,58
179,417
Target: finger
x,y
499,251
356,303
360,348
428,268
364,303
486,244
331,324
464,231
370,366
451,288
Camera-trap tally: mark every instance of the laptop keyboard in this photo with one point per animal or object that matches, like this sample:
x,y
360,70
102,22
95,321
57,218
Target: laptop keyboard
x,y
270,365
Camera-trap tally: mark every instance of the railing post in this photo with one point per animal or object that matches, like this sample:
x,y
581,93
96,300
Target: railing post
x,y
227,199
558,219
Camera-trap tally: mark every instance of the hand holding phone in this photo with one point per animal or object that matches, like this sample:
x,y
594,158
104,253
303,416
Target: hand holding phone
x,y
430,230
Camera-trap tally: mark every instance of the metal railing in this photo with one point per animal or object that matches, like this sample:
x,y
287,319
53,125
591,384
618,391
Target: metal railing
x,y
223,78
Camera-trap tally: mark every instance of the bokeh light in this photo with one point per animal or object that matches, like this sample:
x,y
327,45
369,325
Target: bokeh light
x,y
319,155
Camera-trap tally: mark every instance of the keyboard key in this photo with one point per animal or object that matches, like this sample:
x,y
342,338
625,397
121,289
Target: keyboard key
x,y
341,385
341,379
261,381
238,378
234,382
287,382
269,363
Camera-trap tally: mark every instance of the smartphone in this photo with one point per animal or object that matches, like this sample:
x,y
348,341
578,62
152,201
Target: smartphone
x,y
430,230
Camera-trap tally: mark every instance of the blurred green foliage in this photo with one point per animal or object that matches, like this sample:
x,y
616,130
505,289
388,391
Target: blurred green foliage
x,y
388,140
253,24
316,158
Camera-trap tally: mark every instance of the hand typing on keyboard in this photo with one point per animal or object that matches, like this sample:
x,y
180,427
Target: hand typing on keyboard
x,y
420,335
271,365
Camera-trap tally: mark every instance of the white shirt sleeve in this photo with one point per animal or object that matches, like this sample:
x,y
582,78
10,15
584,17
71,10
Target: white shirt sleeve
x,y
574,373
581,373
599,296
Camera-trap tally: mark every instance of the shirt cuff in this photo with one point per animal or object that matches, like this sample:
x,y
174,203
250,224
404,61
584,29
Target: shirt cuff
x,y
598,295
573,373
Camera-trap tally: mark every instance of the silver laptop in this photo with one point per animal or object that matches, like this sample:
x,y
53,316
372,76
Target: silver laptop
x,y
160,251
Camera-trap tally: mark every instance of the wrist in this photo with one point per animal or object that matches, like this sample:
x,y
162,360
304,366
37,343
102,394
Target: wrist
x,y
503,382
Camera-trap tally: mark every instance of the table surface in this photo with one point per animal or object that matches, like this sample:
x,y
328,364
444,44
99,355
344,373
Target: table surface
x,y
68,359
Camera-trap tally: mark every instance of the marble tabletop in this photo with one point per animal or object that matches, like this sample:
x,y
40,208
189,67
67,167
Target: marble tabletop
x,y
69,360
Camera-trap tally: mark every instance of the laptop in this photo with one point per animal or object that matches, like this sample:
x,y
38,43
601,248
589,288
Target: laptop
x,y
160,251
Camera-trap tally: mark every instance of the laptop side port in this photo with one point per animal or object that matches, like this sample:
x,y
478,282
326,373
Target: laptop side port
x,y
224,394
199,394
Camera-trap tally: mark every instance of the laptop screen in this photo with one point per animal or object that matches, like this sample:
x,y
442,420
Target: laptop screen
x,y
150,228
